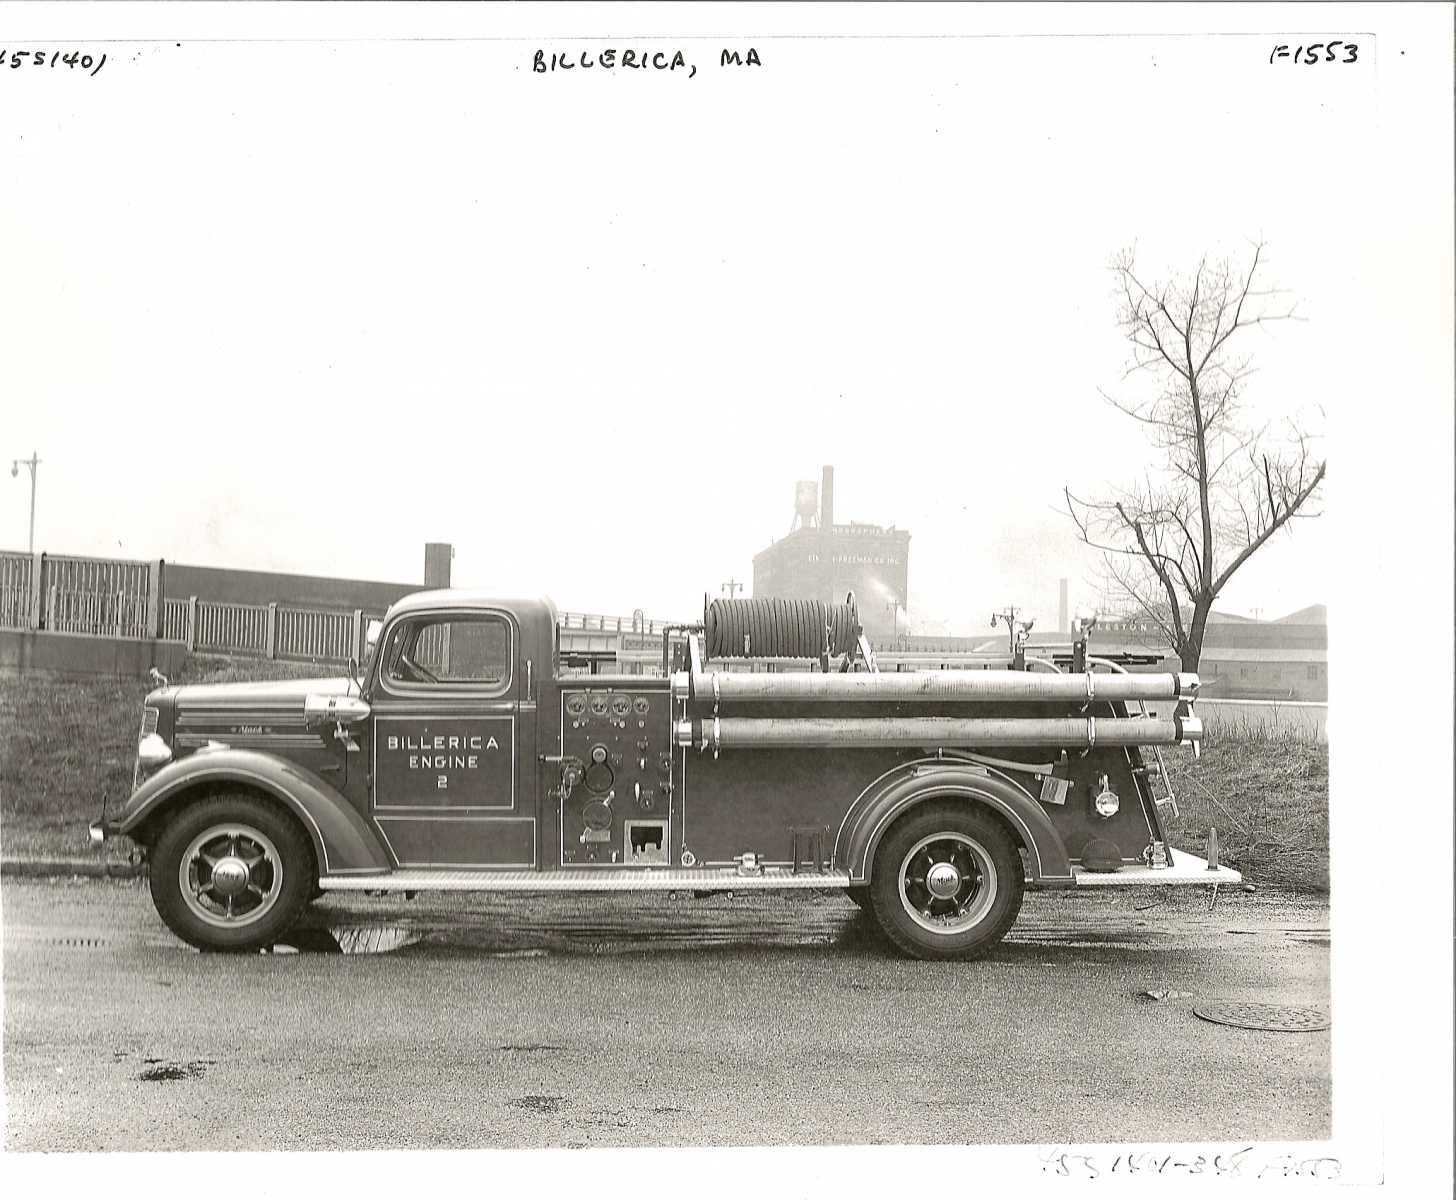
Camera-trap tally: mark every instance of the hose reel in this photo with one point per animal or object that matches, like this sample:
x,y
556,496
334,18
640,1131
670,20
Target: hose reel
x,y
770,628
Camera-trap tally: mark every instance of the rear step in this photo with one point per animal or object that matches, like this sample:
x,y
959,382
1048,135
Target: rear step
x,y
1181,869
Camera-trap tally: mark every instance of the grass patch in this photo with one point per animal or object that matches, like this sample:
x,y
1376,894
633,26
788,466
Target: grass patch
x,y
1268,794
65,743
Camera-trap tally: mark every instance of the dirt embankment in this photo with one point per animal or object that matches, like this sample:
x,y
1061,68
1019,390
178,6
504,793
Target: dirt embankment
x,y
66,743
1268,794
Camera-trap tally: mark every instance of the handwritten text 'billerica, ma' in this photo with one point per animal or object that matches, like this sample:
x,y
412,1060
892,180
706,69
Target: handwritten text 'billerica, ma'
x,y
635,60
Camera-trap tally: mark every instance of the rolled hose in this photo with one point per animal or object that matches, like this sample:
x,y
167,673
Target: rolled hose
x,y
766,628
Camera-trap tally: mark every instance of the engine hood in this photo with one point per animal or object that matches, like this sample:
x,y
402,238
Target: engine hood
x,y
258,716
272,695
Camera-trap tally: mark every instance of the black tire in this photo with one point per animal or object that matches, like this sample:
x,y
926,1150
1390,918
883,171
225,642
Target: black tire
x,y
975,895
266,879
860,894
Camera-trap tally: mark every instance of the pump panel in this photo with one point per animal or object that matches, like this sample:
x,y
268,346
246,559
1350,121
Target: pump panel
x,y
619,812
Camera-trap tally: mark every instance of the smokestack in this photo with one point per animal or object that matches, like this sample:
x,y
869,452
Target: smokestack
x,y
437,564
1062,625
826,500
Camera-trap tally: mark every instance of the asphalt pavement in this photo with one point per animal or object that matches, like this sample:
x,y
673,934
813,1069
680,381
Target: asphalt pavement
x,y
655,1020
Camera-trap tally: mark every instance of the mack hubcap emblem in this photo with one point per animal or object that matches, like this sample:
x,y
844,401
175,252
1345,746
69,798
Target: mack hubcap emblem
x,y
943,880
229,876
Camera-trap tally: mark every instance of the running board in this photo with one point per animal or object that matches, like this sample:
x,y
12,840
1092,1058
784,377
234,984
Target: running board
x,y
1182,868
607,879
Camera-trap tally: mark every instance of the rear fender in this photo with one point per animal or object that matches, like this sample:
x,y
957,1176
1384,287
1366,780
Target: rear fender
x,y
343,843
914,783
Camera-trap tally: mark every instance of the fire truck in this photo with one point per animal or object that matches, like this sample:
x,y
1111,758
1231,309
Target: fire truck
x,y
772,753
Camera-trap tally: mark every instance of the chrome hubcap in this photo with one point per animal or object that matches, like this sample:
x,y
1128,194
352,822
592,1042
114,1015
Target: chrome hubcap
x,y
943,880
230,875
948,883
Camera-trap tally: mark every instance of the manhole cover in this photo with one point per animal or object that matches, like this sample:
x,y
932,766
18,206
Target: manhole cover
x,y
1280,1018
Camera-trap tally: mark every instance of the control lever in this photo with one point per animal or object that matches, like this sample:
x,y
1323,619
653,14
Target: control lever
x,y
573,771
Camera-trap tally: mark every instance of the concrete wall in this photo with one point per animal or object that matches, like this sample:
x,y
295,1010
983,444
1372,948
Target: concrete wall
x,y
23,651
180,581
1303,719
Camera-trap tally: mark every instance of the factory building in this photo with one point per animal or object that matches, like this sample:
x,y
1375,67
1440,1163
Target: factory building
x,y
820,560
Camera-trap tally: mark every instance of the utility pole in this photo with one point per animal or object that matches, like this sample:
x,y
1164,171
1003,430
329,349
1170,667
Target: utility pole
x,y
32,462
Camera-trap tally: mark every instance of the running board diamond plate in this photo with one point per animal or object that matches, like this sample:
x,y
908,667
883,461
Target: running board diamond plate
x,y
1182,869
605,880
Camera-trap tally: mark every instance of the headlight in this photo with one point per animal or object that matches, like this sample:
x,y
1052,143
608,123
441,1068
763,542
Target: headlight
x,y
152,751
1106,802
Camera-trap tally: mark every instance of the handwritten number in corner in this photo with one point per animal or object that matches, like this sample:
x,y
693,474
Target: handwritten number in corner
x,y
16,59
1317,52
1064,1163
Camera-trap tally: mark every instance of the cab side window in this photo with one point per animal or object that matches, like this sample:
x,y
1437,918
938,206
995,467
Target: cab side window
x,y
472,652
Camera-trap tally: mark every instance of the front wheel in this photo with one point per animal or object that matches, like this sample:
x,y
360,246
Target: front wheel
x,y
231,873
947,882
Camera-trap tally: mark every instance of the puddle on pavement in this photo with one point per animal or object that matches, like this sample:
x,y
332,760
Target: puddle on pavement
x,y
350,939
170,1072
517,931
1082,938
543,1105
530,927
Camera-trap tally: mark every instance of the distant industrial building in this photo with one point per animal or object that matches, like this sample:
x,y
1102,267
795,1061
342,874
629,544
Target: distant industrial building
x,y
820,560
1243,659
1286,659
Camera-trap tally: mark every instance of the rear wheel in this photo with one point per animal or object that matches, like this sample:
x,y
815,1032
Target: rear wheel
x,y
947,882
231,873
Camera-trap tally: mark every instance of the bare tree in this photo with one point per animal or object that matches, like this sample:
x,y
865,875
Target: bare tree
x,y
1223,486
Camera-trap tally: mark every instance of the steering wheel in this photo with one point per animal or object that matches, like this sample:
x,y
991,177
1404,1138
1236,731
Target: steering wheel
x,y
420,674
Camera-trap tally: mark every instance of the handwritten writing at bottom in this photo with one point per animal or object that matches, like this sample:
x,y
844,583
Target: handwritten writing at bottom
x,y
1241,1163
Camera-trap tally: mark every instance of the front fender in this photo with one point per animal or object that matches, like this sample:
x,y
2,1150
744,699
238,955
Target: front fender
x,y
342,840
913,783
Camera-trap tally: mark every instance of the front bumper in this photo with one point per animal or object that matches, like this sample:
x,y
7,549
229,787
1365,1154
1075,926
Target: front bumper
x,y
101,830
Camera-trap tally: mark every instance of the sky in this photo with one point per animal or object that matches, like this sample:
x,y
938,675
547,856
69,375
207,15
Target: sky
x,y
306,287
299,303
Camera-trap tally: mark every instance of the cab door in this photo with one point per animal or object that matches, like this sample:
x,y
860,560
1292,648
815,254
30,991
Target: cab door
x,y
452,757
